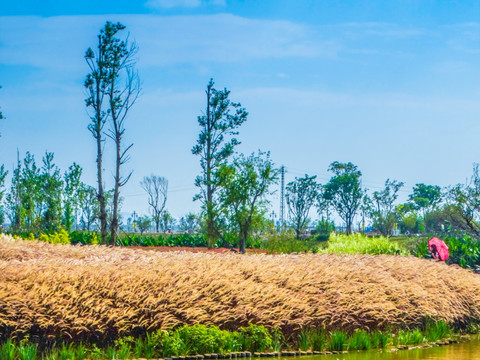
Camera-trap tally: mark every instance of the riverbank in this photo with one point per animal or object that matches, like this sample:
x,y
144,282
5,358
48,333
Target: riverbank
x,y
98,294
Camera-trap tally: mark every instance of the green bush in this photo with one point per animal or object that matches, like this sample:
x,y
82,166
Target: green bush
x,y
286,243
59,237
84,238
463,250
255,338
361,244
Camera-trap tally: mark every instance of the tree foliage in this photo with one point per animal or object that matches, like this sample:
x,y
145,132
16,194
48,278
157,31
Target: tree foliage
x,y
215,144
189,223
167,221
384,213
344,191
301,195
244,184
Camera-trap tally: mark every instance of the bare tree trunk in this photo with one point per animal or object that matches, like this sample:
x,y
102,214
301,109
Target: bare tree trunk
x,y
101,194
116,195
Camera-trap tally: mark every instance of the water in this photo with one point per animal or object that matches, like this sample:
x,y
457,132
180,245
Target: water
x,y
469,350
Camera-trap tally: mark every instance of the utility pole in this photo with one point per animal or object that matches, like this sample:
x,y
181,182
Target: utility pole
x,y
282,197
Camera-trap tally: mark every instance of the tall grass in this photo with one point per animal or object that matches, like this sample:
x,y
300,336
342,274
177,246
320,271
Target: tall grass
x,y
338,341
360,340
7,350
93,293
436,330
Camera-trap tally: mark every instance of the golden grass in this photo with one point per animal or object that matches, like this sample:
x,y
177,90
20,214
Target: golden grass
x,y
95,292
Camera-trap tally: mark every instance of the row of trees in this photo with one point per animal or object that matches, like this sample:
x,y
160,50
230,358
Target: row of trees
x,y
43,199
233,187
429,207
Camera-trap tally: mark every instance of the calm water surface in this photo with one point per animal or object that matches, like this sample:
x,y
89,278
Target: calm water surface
x,y
469,350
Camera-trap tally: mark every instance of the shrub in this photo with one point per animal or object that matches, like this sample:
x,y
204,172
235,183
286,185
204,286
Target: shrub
x,y
59,237
84,237
256,338
361,244
286,243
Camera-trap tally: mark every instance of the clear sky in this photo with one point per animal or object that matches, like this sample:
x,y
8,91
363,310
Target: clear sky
x,y
392,86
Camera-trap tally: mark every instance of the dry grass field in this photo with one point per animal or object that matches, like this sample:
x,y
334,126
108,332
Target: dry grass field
x,y
95,292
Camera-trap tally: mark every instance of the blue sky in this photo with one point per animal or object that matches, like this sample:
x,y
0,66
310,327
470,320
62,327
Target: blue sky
x,y
393,87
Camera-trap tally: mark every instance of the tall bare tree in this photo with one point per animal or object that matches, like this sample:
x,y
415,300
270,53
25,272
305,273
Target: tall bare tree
x,y
123,91
156,188
112,88
96,84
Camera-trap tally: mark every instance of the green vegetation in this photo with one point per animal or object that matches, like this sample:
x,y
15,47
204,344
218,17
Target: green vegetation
x,y
200,339
362,244
463,250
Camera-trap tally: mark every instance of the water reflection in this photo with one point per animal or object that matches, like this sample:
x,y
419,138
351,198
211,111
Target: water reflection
x,y
469,350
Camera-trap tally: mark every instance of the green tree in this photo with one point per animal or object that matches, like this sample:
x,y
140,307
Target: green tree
x,y
215,144
384,213
301,195
25,195
97,84
156,188
463,210
189,223
88,205
51,194
426,198
344,191
167,222
71,199
243,187
144,223
3,175
409,219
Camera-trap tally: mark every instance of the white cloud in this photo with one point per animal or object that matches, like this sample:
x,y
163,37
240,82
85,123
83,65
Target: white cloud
x,y
60,42
168,4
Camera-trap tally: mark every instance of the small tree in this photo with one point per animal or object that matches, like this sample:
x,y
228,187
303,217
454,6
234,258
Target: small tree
x,y
72,183
167,222
189,223
426,198
384,214
301,195
3,175
244,186
52,191
215,145
156,188
88,205
144,223
344,191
